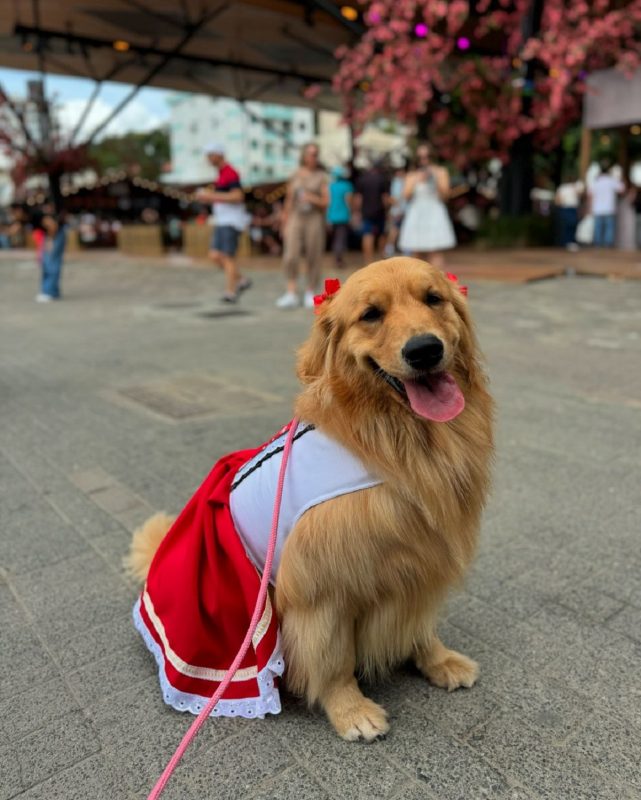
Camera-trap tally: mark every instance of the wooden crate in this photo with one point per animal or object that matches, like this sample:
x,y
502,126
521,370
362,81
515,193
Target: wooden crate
x,y
196,239
140,240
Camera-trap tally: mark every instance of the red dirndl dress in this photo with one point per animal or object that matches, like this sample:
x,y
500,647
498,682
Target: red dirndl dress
x,y
197,603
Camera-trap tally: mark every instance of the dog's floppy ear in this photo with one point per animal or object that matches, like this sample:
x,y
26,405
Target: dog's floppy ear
x,y
313,353
467,357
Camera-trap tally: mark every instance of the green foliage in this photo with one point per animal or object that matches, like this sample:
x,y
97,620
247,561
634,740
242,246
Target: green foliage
x,y
146,153
527,231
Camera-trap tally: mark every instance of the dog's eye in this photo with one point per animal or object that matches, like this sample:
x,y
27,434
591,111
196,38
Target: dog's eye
x,y
432,299
371,314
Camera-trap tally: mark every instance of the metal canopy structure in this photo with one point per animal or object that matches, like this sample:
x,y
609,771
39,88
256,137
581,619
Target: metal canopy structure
x,y
267,50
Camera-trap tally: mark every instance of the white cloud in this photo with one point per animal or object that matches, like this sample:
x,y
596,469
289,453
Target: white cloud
x,y
135,116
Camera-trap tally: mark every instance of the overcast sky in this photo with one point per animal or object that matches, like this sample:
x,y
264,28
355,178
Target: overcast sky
x,y
146,111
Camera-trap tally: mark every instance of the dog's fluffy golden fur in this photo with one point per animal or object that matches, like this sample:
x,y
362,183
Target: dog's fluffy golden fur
x,y
362,577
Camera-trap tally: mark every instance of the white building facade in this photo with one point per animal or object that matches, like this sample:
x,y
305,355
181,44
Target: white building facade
x,y
262,141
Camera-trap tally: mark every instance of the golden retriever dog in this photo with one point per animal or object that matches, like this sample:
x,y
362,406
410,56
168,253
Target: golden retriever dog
x,y
392,371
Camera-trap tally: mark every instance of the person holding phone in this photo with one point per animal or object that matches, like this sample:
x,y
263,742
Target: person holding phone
x,y
427,230
304,227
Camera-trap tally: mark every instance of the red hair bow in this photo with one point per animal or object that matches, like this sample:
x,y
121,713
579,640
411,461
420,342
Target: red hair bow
x,y
451,277
332,285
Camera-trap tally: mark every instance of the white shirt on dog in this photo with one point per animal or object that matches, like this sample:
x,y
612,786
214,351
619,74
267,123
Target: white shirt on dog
x,y
319,469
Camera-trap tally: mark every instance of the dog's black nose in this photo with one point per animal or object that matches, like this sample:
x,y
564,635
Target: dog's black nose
x,y
423,352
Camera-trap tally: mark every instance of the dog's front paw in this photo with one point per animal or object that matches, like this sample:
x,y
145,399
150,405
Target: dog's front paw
x,y
361,720
453,671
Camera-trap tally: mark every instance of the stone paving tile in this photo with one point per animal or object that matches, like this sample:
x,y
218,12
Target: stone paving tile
x,y
28,711
605,742
74,651
292,784
91,778
546,770
23,661
627,622
138,733
112,548
359,771
232,770
10,776
54,747
19,546
109,675
591,604
449,769
65,582
549,611
91,480
10,612
94,609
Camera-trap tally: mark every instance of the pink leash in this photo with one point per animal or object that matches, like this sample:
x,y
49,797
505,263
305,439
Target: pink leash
x,y
258,612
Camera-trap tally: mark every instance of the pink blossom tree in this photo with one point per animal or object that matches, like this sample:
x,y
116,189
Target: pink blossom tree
x,y
479,74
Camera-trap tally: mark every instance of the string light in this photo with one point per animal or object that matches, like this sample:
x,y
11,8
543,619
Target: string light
x,y
349,13
121,45
635,130
517,63
463,43
421,30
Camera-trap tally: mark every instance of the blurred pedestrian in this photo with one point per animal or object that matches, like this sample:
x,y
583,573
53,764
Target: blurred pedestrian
x,y
396,211
427,230
373,198
52,225
567,200
339,212
635,199
230,219
303,223
263,230
603,195
5,224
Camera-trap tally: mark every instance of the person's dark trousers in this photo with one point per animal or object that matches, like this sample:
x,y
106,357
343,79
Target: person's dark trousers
x,y
568,219
52,264
340,233
604,228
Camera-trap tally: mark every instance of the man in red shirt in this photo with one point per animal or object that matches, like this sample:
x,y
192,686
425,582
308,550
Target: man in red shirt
x,y
230,218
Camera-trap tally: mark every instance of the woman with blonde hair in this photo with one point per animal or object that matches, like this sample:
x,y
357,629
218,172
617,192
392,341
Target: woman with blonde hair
x,y
427,230
304,227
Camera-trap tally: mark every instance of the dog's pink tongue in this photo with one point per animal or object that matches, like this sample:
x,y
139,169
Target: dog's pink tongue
x,y
438,399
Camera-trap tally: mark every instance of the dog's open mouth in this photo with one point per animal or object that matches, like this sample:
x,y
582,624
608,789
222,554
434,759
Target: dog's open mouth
x,y
436,396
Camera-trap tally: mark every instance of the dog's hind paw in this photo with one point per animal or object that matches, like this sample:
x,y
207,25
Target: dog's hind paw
x,y
454,671
366,720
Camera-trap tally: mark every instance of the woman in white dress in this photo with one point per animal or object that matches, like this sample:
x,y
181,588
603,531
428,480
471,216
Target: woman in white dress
x,y
427,229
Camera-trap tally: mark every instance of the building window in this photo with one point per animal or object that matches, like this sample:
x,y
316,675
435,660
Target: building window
x,y
269,149
269,171
302,126
254,144
287,126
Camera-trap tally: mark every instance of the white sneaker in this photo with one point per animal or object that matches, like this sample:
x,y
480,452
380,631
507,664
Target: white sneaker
x,y
308,300
288,300
43,298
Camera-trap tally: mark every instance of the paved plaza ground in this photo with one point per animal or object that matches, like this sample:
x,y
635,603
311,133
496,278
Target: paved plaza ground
x,y
117,401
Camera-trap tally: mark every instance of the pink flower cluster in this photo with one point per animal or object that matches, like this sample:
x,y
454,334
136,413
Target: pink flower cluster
x,y
485,86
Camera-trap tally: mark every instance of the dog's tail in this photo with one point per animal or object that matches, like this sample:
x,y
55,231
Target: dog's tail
x,y
144,543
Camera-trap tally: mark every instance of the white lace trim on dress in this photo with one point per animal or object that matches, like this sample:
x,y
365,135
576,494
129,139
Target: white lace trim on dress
x,y
255,707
